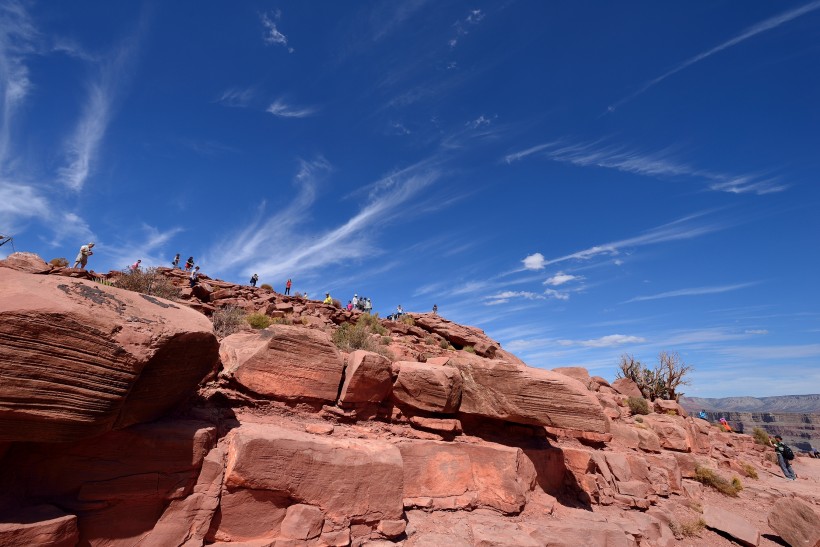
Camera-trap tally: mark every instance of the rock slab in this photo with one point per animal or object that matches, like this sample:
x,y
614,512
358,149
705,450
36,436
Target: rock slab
x,y
428,387
729,523
796,522
367,378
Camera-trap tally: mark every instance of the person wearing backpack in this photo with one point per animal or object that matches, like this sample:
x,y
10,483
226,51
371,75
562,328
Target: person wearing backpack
x,y
784,457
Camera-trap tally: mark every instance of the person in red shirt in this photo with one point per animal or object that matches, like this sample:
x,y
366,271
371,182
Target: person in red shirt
x,y
287,287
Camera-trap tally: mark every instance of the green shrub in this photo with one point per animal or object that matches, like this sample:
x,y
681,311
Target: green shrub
x,y
407,320
386,340
372,322
228,320
638,405
760,436
266,286
148,281
103,281
349,337
259,320
710,478
469,349
58,262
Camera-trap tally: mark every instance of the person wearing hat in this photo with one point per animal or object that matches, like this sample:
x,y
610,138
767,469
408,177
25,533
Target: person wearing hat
x,y
355,301
328,299
82,256
254,279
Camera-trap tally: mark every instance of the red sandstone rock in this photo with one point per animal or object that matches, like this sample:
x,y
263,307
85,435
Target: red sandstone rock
x,y
729,523
445,425
578,373
457,335
284,362
39,525
302,522
528,395
367,378
366,476
25,262
796,522
663,406
428,387
457,476
78,358
626,387
671,433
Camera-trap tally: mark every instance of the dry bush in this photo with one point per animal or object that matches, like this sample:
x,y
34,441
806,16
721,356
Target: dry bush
x,y
760,436
444,344
59,262
386,340
469,349
710,478
372,322
283,321
407,320
228,320
749,470
335,303
259,320
687,529
350,337
638,405
148,281
430,340
266,286
660,382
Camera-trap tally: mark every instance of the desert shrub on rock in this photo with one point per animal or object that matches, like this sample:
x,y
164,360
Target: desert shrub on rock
x,y
687,529
349,337
638,405
749,470
148,281
660,382
710,478
266,286
469,349
58,262
407,320
259,320
372,322
228,320
760,436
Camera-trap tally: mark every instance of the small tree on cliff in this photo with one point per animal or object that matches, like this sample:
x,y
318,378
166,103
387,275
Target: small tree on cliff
x,y
661,381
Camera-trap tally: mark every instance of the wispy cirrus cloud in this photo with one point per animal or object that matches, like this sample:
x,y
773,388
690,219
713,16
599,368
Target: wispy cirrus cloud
x,y
283,245
273,36
17,42
463,26
505,296
608,341
237,97
750,32
687,227
149,244
82,147
663,163
560,278
693,291
283,110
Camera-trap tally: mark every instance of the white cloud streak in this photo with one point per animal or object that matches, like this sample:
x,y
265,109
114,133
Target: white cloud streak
x,y
281,245
82,147
236,97
560,278
283,110
611,340
652,164
505,296
679,229
17,35
694,291
273,36
754,30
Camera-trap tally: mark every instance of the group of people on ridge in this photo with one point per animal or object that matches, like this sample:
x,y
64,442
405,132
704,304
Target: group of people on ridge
x,y
362,304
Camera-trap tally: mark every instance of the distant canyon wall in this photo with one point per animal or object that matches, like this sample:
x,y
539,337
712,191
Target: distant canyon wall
x,y
798,430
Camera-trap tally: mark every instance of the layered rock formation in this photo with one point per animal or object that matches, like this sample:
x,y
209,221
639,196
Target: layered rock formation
x,y
125,437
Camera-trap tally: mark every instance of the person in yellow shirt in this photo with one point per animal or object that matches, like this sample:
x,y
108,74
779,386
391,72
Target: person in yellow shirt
x,y
328,299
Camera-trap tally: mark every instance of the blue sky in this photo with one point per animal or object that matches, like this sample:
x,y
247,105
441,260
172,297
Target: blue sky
x,y
579,179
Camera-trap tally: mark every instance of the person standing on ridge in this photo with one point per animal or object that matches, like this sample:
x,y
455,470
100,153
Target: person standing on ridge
x,y
368,305
82,256
175,262
135,266
287,287
194,277
254,279
435,309
355,301
784,457
189,264
328,299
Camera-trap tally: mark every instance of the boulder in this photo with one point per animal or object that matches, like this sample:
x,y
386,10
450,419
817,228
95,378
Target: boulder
x,y
458,335
796,522
284,362
520,394
367,378
39,525
460,475
741,530
671,432
78,359
626,387
345,478
119,483
428,387
25,262
579,373
302,522
663,406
